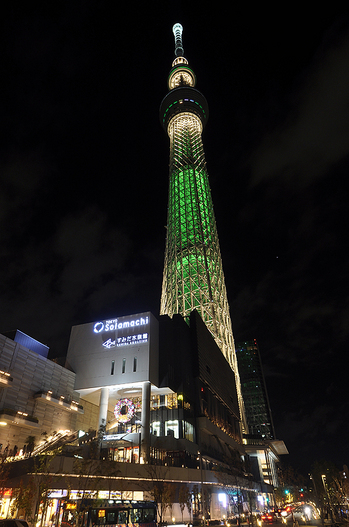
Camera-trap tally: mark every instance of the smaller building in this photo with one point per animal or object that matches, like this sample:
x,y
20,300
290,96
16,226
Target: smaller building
x,y
254,390
162,385
264,458
37,396
260,444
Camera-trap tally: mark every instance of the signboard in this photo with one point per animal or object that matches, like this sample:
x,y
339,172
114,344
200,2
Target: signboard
x,y
125,330
117,350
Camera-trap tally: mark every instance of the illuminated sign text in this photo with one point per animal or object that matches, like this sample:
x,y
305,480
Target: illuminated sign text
x,y
112,325
126,341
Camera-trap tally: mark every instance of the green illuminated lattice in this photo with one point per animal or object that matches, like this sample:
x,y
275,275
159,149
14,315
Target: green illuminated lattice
x,y
193,274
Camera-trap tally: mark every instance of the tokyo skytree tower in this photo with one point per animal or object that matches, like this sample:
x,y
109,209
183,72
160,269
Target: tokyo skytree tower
x,y
193,274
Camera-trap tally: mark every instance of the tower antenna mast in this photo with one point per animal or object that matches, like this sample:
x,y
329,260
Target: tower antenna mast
x,y
177,31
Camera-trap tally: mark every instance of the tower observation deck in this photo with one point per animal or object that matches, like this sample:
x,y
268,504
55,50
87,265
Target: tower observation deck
x,y
193,273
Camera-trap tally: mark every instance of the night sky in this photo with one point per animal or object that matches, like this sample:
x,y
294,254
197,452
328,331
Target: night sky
x,y
84,179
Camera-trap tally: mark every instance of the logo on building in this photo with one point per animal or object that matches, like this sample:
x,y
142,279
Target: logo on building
x,y
109,344
112,325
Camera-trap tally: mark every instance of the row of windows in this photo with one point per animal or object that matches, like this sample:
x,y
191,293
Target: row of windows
x,y
123,366
176,428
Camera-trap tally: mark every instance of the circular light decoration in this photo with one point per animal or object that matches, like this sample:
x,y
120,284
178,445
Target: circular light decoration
x,y
98,327
119,410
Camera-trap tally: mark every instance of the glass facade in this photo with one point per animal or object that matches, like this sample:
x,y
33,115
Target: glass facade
x,y
254,390
170,415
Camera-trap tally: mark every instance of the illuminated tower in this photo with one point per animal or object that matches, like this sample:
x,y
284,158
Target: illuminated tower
x,y
193,273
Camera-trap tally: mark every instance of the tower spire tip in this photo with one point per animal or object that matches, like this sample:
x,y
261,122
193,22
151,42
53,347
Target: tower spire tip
x,y
177,31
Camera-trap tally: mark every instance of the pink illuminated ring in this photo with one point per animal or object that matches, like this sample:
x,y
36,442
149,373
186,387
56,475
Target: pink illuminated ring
x,y
119,411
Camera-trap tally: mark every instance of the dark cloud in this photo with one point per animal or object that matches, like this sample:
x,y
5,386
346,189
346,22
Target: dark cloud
x,y
315,134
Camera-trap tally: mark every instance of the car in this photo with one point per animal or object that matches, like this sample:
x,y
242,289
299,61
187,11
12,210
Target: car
x,y
268,517
285,512
303,513
306,512
13,522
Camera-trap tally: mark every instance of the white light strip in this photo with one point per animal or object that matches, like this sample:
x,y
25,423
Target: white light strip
x,y
138,478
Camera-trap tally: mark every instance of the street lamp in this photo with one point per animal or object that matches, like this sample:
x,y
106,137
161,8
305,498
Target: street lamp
x,y
323,477
202,488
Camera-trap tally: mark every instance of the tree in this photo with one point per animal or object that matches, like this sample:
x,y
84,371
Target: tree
x,y
290,483
162,492
206,500
329,486
196,501
42,481
232,484
88,471
23,502
184,498
33,498
110,469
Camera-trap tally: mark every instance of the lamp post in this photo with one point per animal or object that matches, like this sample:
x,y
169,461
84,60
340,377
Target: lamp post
x,y
202,489
323,478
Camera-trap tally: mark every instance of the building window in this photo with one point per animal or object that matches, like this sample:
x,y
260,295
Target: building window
x,y
135,364
171,400
155,428
154,402
112,367
172,429
188,431
123,369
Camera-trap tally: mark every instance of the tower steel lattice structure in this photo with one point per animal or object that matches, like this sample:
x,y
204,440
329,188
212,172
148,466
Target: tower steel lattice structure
x,y
193,273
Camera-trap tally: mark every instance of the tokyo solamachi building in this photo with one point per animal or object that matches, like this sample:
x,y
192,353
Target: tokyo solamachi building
x,y
147,398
